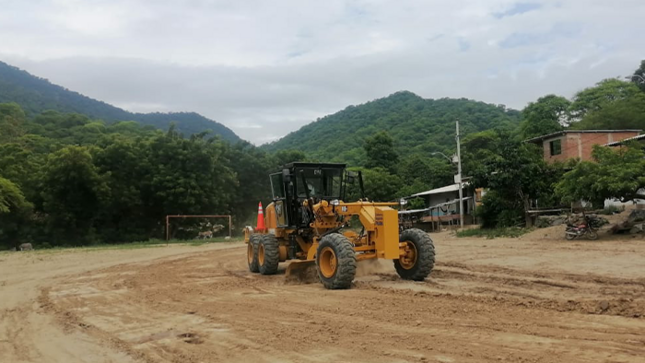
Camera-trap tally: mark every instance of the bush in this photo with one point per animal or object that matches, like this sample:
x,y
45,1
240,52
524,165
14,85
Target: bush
x,y
490,233
498,212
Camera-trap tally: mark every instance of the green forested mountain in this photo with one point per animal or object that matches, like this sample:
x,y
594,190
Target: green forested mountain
x,y
417,126
36,95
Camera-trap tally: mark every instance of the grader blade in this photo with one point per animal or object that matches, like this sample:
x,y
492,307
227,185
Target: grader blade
x,y
304,271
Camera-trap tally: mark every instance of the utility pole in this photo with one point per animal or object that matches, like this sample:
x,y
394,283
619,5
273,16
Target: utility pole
x,y
461,192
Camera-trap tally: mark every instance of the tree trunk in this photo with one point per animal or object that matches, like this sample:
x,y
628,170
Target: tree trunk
x,y
527,216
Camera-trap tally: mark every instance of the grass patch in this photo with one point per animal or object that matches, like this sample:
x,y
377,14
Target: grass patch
x,y
490,233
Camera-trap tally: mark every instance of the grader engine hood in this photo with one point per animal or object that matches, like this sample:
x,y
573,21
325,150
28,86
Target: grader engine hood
x,y
380,221
383,223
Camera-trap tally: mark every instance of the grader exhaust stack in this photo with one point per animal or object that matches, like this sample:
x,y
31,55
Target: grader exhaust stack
x,y
309,223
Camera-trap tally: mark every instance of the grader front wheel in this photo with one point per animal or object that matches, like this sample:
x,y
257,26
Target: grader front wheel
x,y
268,254
417,258
336,261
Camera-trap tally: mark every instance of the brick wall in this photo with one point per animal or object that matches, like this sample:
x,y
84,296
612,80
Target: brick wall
x,y
580,145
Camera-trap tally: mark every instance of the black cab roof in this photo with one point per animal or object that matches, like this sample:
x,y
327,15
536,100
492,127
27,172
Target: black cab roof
x,y
315,165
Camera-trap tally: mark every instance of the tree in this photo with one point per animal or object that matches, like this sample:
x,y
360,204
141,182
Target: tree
x,y
517,174
622,114
14,212
544,116
188,176
289,156
73,194
478,147
125,169
252,167
380,152
12,120
603,94
419,174
614,173
498,210
611,104
380,185
119,187
638,77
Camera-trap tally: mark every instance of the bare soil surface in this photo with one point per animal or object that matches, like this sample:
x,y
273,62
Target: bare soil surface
x,y
531,299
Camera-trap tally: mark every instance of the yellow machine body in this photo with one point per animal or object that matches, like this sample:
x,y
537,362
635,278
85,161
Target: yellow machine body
x,y
379,237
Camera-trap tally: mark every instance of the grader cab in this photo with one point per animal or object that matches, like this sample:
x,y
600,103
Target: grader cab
x,y
308,222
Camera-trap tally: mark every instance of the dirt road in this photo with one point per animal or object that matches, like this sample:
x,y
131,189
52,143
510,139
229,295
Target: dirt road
x,y
514,300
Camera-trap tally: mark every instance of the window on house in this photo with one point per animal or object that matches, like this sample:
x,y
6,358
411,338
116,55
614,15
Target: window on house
x,y
556,147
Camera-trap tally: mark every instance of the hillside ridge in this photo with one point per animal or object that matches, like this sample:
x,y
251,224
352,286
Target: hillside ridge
x,y
35,95
417,126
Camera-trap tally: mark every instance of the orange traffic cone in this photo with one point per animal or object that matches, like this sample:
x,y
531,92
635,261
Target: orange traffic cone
x,y
260,227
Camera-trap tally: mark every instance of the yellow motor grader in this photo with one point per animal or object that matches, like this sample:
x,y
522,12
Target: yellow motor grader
x,y
308,222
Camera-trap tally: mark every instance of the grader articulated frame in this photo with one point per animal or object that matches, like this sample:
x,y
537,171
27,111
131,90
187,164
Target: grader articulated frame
x,y
308,223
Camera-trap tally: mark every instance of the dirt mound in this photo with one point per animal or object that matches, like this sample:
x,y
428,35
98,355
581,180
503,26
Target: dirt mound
x,y
304,275
555,233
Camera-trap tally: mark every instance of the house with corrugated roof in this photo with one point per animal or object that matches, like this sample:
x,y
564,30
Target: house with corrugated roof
x,y
442,206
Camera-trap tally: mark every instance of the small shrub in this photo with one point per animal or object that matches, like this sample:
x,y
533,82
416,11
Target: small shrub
x,y
490,233
497,211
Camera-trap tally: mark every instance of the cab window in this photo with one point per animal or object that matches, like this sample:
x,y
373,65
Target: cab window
x,y
277,186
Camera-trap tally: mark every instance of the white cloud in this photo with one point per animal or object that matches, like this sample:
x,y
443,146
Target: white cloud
x,y
264,68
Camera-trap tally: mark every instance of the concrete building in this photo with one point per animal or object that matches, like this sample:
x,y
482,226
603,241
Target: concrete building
x,y
567,144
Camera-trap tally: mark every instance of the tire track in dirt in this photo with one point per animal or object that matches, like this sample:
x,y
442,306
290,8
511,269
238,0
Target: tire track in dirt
x,y
206,307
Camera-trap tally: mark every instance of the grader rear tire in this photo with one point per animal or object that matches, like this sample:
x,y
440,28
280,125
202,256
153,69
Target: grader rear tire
x,y
336,262
252,253
268,254
418,261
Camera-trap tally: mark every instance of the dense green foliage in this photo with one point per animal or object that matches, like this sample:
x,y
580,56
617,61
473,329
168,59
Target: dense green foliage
x,y
72,179
380,152
544,116
638,77
614,173
611,104
14,210
36,95
514,173
603,94
66,179
416,126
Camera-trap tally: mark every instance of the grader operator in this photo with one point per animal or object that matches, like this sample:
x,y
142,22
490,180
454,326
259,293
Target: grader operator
x,y
308,222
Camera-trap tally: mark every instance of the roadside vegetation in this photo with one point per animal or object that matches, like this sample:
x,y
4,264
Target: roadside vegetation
x,y
491,233
68,179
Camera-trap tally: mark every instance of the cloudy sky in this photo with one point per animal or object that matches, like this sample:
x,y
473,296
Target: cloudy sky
x,y
265,68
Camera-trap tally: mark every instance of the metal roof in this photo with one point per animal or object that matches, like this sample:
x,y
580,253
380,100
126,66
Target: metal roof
x,y
616,143
299,164
553,134
446,189
414,211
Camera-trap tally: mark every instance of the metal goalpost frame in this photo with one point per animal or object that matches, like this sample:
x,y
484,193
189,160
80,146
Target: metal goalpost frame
x,y
230,221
